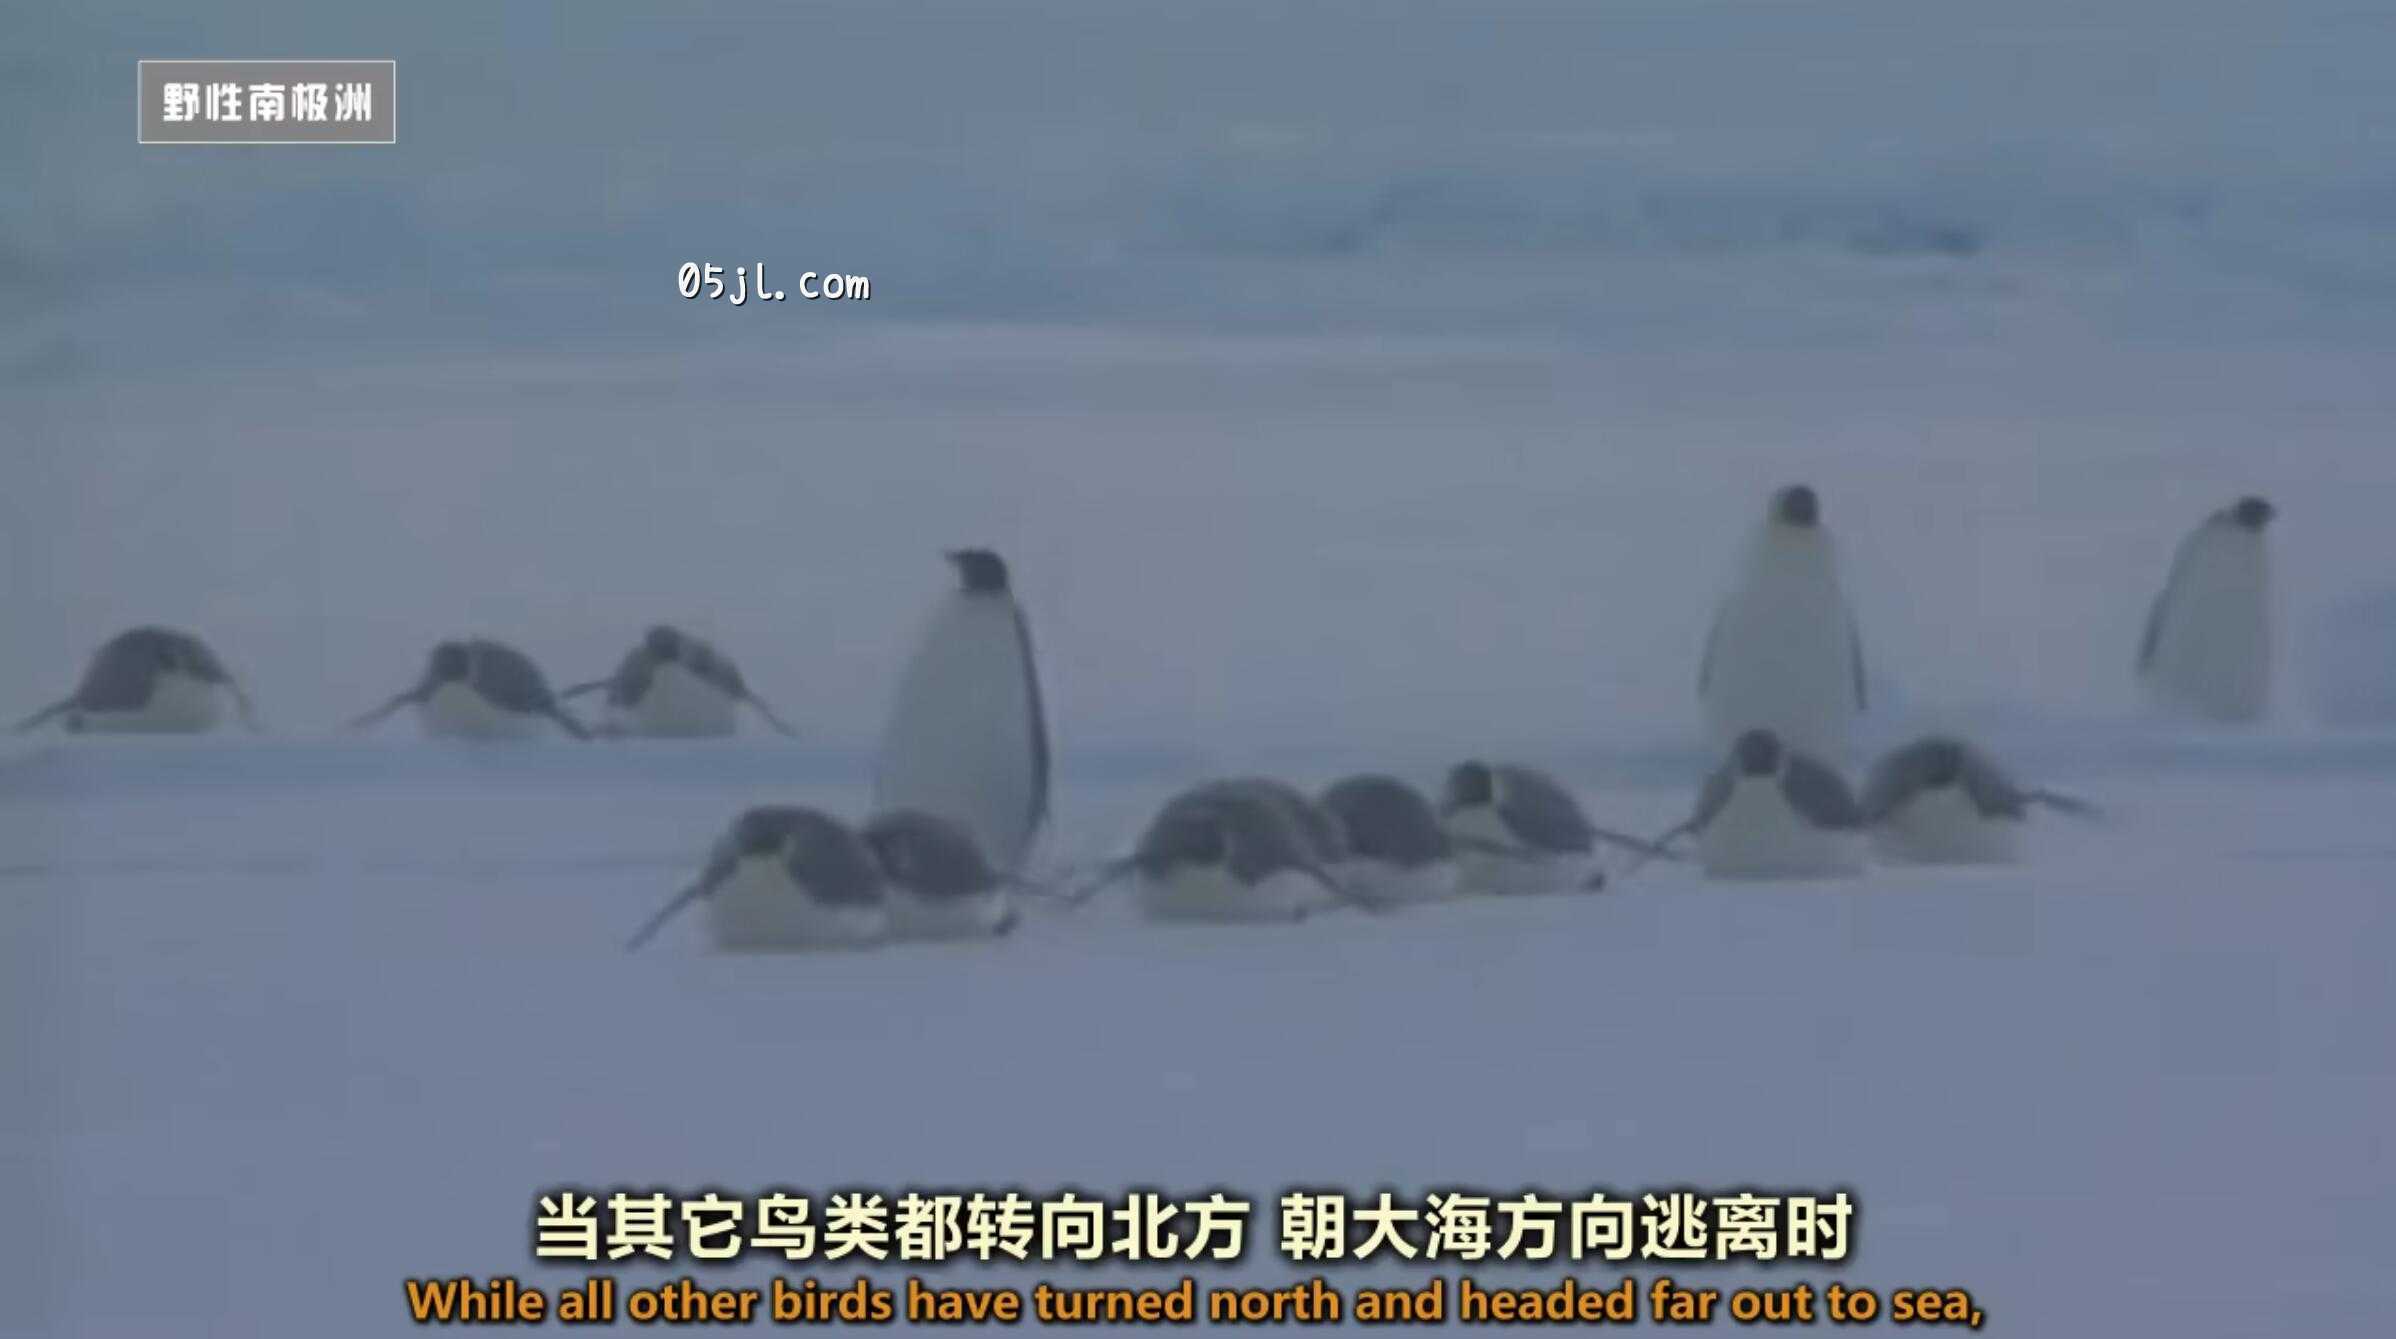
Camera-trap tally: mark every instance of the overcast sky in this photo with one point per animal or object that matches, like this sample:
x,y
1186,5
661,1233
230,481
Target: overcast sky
x,y
1339,370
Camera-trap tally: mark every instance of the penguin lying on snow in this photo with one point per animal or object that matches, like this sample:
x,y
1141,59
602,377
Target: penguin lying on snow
x,y
1784,652
1772,812
1938,800
480,689
1395,849
939,885
1230,853
148,680
675,685
967,737
1236,850
2206,651
785,877
1518,830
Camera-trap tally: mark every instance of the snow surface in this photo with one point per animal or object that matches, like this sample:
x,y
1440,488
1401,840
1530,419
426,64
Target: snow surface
x,y
314,1017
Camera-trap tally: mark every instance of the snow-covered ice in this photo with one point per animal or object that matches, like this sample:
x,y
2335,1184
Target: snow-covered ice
x,y
313,1017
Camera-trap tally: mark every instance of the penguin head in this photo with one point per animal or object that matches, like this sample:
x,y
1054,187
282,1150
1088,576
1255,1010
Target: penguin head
x,y
1797,506
2252,513
662,643
1758,753
1470,785
450,663
1942,763
759,834
980,570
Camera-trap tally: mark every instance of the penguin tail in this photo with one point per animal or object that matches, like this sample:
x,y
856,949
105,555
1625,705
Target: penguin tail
x,y
45,715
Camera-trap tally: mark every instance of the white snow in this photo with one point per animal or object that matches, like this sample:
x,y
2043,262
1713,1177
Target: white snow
x,y
316,1017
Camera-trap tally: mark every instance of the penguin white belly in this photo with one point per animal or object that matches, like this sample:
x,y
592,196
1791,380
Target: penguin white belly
x,y
1782,655
1944,827
759,907
179,704
974,916
454,711
1757,836
961,739
1390,884
1491,861
678,705
2212,654
1214,895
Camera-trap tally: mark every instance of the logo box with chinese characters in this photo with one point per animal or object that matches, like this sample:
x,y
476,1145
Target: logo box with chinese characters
x,y
269,101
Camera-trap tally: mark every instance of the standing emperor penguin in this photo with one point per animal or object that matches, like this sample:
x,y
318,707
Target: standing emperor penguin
x,y
2207,648
1941,801
148,680
785,877
480,689
1784,653
967,738
939,885
674,685
1773,812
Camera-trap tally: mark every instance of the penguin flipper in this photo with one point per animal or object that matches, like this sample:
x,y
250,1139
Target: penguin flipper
x,y
565,722
241,701
45,715
1653,850
408,698
781,726
1705,661
668,912
2071,805
1039,723
1106,875
1855,661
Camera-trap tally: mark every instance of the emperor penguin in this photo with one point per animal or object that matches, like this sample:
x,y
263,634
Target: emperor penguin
x,y
1320,835
480,689
2207,649
785,877
1227,854
1774,812
939,886
1395,849
149,680
967,737
1941,801
1784,653
1518,830
677,686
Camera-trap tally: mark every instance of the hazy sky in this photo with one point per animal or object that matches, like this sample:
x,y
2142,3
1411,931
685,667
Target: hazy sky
x,y
1336,370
